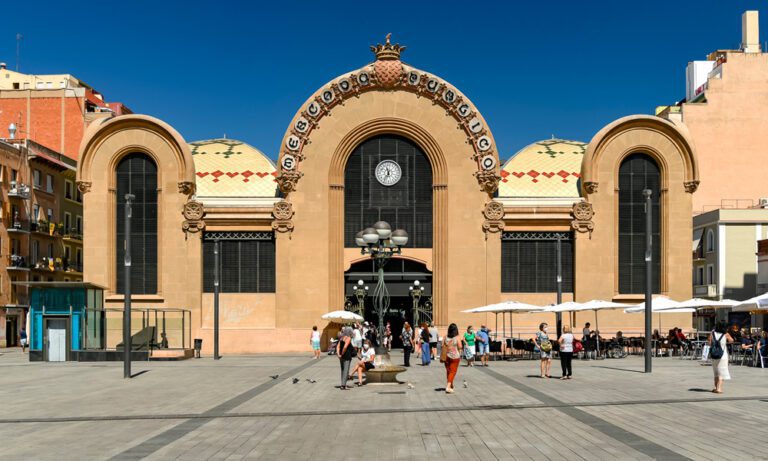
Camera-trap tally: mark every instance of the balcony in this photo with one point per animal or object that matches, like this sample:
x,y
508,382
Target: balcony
x,y
18,191
75,235
16,225
18,300
47,264
705,291
46,228
72,267
17,263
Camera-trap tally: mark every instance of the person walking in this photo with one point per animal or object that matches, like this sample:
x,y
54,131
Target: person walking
x,y
426,355
451,356
407,337
718,342
23,339
566,352
314,340
469,346
357,337
417,340
433,339
483,345
344,352
544,346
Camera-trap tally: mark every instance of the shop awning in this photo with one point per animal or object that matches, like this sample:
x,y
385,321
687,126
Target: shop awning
x,y
697,233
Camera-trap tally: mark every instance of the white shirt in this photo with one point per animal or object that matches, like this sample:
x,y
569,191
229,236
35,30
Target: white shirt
x,y
357,339
368,354
567,345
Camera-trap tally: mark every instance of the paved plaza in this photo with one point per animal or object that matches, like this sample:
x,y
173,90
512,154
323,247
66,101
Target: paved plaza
x,y
234,409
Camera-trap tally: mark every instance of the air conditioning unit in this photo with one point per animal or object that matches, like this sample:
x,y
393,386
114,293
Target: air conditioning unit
x,y
764,202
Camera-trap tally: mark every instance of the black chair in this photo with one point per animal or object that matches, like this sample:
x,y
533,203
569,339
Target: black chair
x,y
508,343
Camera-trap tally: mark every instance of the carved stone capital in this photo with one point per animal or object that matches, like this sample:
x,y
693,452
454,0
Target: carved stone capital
x,y
582,217
282,211
590,187
193,213
488,180
186,187
287,180
691,186
84,186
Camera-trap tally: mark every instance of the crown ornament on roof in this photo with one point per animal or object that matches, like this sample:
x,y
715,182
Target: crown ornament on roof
x,y
387,51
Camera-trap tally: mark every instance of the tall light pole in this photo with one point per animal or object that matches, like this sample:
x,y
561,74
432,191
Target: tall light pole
x,y
648,277
559,315
381,243
127,346
216,299
416,291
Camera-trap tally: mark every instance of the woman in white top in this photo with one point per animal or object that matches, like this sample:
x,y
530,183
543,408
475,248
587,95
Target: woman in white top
x,y
365,363
314,340
720,366
566,352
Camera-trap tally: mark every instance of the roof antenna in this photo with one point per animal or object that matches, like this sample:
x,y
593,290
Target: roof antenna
x,y
18,50
553,136
225,135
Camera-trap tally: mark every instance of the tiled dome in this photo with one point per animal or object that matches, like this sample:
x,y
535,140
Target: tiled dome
x,y
231,168
549,168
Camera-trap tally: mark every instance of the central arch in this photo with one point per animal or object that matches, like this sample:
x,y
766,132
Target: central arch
x,y
430,147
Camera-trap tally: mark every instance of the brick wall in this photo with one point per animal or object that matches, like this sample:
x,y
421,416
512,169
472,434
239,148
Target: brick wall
x,y
55,122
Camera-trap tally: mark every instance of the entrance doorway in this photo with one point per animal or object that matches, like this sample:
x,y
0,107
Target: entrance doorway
x,y
399,275
56,339
11,331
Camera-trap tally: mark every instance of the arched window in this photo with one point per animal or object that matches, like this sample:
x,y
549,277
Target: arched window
x,y
638,172
388,178
710,240
137,175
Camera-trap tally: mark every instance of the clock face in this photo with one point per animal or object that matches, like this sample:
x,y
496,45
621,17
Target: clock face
x,y
388,173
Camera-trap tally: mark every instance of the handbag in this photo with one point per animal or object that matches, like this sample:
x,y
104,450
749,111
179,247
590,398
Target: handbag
x,y
443,353
577,347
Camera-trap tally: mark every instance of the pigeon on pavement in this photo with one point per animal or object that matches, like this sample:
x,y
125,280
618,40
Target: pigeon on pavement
x,y
295,380
465,384
312,381
274,376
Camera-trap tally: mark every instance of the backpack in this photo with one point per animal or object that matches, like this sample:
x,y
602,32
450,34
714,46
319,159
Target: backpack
x,y
716,350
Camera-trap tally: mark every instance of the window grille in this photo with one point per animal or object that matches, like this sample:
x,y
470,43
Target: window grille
x,y
246,262
406,205
638,172
529,262
137,175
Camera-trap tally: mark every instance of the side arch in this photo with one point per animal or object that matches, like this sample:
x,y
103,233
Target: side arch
x,y
644,125
135,133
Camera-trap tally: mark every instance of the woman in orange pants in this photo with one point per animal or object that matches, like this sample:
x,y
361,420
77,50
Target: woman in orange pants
x,y
452,345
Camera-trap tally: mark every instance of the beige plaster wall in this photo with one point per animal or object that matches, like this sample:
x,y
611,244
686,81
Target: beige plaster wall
x,y
730,133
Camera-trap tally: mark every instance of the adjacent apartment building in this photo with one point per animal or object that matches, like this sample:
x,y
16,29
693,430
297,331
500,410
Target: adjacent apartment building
x,y
41,231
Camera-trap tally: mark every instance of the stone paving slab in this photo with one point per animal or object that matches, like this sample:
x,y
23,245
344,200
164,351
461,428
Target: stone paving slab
x,y
232,409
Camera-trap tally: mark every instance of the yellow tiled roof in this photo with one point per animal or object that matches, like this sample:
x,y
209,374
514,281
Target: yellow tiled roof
x,y
231,168
549,168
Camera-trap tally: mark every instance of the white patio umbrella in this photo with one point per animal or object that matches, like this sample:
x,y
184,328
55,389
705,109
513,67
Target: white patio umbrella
x,y
503,308
342,317
661,305
700,303
758,303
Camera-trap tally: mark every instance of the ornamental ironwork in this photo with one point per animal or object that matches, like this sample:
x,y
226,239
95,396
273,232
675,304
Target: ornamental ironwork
x,y
536,235
251,235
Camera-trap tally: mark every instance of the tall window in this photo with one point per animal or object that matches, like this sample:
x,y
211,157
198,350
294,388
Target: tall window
x,y
137,175
388,178
246,262
529,262
638,172
710,240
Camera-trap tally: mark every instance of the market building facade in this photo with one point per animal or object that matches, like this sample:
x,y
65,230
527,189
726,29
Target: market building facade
x,y
394,143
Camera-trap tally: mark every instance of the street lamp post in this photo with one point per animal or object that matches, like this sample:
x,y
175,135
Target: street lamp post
x,y
360,291
127,346
216,299
381,243
559,280
416,291
648,277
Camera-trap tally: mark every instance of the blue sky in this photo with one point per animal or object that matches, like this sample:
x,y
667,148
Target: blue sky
x,y
534,69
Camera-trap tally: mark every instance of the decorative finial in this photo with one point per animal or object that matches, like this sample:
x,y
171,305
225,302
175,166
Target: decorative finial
x,y
388,51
